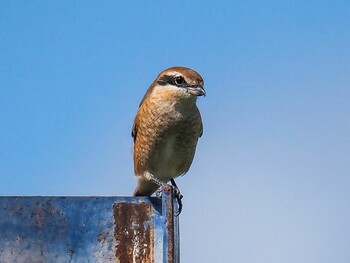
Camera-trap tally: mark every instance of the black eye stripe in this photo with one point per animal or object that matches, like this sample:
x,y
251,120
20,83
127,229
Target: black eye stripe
x,y
165,80
176,81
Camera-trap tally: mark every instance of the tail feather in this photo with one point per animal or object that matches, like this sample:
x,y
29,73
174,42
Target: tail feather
x,y
145,188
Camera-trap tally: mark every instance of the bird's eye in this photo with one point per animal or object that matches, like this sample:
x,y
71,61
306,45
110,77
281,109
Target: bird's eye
x,y
179,80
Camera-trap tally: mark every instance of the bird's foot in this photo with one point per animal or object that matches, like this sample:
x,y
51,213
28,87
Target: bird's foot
x,y
158,193
179,202
178,196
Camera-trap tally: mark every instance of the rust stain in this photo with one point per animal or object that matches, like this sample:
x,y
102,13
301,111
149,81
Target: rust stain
x,y
46,213
134,233
170,226
168,190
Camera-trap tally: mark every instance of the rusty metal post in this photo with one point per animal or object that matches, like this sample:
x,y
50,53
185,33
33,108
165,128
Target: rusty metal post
x,y
147,230
89,229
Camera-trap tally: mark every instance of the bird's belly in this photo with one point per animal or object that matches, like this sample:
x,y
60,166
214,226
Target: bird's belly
x,y
169,159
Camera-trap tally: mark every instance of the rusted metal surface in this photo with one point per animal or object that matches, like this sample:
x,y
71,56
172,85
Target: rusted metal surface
x,y
147,232
134,232
88,229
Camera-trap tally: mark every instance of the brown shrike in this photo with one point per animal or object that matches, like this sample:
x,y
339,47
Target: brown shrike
x,y
166,129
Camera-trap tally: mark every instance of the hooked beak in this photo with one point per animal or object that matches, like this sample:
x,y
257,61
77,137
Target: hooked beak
x,y
196,90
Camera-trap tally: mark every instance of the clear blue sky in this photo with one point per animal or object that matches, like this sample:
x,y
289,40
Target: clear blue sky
x,y
270,182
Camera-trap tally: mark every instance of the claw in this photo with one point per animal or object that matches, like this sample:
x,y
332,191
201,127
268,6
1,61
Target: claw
x,y
179,202
178,197
158,193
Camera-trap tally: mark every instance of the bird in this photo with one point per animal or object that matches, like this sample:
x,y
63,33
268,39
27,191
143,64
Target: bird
x,y
166,129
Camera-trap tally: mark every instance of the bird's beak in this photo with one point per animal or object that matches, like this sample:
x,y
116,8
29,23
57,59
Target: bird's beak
x,y
196,90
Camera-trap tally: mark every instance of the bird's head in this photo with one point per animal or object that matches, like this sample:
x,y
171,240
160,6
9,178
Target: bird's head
x,y
183,81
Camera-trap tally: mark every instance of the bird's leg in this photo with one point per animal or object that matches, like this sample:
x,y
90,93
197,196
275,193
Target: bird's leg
x,y
150,177
178,195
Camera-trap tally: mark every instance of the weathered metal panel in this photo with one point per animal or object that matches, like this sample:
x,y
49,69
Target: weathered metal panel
x,y
89,229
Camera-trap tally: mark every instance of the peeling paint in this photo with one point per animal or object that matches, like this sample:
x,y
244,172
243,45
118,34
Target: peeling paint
x,y
88,229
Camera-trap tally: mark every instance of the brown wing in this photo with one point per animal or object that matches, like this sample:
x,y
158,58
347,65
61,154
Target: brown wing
x,y
134,130
134,126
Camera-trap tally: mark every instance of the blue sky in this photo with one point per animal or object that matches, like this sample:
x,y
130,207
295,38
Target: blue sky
x,y
271,177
